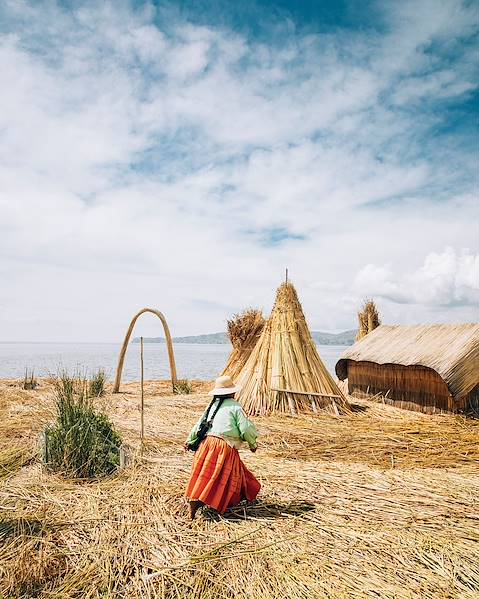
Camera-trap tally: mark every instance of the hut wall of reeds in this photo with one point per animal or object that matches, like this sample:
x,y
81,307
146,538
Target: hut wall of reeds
x,y
284,373
428,368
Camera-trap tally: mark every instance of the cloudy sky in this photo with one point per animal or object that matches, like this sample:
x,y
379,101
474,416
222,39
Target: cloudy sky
x,y
179,157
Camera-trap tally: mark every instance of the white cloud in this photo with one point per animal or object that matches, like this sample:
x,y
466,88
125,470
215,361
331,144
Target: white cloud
x,y
443,84
143,163
445,279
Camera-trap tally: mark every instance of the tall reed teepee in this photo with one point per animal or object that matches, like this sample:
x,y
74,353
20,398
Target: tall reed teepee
x,y
284,373
244,330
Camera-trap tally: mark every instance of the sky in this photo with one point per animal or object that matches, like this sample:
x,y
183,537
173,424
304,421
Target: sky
x,y
180,155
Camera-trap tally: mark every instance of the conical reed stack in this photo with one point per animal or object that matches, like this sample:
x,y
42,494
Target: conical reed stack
x,y
284,373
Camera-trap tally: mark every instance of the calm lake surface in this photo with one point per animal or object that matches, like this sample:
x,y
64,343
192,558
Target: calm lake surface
x,y
193,361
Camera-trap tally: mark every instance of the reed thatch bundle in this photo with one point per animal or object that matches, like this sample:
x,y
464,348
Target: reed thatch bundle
x,y
284,372
244,330
368,319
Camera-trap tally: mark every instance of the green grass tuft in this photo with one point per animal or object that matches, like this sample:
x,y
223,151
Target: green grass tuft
x,y
182,387
97,384
29,381
82,442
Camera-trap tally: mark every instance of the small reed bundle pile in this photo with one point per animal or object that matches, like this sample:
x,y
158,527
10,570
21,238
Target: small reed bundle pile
x,y
368,318
284,372
244,330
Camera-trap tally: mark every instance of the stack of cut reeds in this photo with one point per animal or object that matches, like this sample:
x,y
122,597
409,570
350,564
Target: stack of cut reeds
x,y
244,330
368,319
284,372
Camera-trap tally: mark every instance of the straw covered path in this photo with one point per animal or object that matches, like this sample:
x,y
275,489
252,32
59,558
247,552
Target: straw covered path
x,y
379,503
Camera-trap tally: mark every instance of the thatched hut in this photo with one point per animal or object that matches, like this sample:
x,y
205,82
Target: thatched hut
x,y
284,373
428,368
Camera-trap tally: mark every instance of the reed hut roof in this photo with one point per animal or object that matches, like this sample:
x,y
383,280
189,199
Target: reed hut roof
x,y
284,372
452,350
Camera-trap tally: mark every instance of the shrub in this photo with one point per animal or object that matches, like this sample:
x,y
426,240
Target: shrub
x,y
182,387
97,384
29,381
82,442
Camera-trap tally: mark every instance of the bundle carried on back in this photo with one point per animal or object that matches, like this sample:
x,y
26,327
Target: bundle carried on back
x,y
284,373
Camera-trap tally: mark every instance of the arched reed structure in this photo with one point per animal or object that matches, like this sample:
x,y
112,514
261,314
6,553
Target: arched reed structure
x,y
169,345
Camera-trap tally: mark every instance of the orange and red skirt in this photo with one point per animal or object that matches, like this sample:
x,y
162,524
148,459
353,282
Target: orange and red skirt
x,y
219,478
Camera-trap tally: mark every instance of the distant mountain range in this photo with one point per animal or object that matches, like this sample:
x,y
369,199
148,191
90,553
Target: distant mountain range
x,y
321,338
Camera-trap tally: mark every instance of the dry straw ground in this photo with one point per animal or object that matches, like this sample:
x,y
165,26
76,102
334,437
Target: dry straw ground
x,y
379,503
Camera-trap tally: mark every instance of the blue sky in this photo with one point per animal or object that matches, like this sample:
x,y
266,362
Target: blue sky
x,y
267,19
181,155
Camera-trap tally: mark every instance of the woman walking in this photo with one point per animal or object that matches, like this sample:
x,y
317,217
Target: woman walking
x,y
219,479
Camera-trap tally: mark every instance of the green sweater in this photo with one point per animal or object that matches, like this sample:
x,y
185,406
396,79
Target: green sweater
x,y
230,423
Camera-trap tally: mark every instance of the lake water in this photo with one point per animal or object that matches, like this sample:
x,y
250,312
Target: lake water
x,y
193,361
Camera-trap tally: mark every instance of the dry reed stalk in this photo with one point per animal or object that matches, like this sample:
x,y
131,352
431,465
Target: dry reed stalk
x,y
22,414
377,443
285,367
142,403
362,327
368,319
13,458
244,330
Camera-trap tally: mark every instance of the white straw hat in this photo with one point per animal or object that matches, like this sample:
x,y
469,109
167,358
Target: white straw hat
x,y
224,386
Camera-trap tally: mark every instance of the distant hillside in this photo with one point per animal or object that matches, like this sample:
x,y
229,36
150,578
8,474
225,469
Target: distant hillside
x,y
344,338
211,338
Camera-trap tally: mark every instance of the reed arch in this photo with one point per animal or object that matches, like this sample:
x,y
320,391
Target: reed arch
x,y
169,345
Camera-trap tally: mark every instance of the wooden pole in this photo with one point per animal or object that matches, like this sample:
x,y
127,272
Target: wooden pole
x,y
286,280
142,406
169,345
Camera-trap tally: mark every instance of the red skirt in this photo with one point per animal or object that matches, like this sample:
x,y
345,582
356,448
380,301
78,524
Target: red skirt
x,y
219,478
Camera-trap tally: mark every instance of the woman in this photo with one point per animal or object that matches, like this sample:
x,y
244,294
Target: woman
x,y
219,478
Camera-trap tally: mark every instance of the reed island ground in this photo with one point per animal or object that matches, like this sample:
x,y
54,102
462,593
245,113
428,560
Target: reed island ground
x,y
379,503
